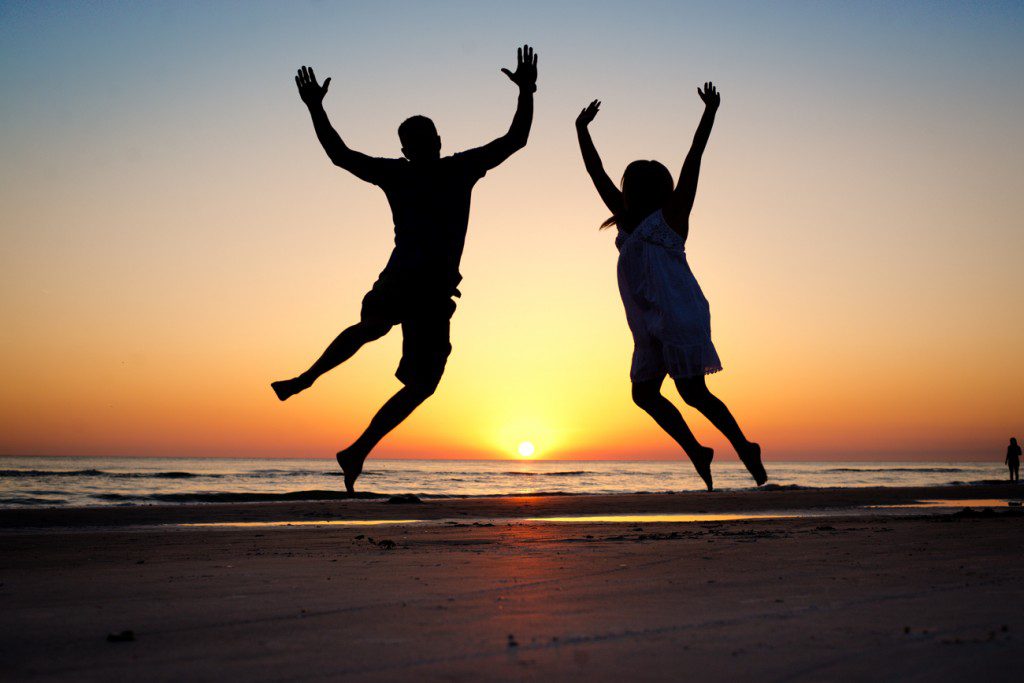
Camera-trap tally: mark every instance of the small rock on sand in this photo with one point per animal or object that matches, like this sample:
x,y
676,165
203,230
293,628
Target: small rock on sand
x,y
404,499
122,637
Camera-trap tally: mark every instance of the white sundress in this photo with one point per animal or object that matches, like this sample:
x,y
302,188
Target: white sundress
x,y
666,310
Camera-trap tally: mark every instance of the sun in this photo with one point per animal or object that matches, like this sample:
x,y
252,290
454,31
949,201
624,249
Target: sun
x,y
526,449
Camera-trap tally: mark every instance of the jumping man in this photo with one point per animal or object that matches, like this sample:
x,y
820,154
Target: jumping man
x,y
429,197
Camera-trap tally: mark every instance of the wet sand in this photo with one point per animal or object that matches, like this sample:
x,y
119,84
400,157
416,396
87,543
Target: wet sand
x,y
480,594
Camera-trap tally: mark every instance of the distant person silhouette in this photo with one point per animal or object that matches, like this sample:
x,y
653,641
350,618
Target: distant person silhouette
x,y
666,311
1013,459
429,197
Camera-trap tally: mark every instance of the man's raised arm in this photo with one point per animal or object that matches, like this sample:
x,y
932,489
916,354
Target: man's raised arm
x,y
360,165
525,76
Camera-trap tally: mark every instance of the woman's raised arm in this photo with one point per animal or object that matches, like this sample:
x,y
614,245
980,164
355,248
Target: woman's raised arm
x,y
610,195
677,211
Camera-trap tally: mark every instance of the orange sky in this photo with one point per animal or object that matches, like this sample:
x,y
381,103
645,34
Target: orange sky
x,y
174,238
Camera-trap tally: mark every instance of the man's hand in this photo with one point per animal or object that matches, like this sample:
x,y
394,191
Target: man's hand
x,y
526,70
309,90
588,114
710,96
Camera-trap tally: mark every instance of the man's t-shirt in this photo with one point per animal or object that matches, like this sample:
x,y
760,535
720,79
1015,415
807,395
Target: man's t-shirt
x,y
430,206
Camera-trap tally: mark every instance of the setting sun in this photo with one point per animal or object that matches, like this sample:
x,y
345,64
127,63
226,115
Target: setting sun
x,y
526,449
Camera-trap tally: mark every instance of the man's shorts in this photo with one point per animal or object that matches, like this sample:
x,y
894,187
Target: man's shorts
x,y
426,327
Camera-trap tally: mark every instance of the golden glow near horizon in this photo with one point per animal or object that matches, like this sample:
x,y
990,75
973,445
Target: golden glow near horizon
x,y
171,244
526,449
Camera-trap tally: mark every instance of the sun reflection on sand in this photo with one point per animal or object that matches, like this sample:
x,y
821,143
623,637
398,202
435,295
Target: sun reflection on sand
x,y
956,503
524,527
323,522
654,519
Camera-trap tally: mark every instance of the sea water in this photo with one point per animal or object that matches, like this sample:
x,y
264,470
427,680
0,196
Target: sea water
x,y
78,481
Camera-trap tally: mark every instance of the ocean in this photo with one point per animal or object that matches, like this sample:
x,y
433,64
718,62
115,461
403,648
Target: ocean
x,y
87,481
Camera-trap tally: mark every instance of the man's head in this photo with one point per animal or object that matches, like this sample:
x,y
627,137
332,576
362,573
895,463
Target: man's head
x,y
420,141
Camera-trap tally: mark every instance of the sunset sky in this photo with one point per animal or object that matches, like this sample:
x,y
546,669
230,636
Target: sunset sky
x,y
174,238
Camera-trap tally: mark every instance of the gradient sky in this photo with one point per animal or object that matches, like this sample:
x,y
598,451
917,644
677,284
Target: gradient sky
x,y
173,238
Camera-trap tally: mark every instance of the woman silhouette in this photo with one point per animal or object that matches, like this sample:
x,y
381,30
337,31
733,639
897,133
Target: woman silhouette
x,y
665,308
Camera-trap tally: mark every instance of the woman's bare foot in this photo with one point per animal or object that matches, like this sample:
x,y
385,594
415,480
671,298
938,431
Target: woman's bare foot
x,y
750,455
286,388
352,466
702,463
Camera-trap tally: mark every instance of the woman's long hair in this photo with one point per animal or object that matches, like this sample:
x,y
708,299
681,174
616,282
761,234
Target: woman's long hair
x,y
646,186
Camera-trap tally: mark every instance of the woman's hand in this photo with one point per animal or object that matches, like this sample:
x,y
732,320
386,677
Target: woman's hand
x,y
588,114
710,96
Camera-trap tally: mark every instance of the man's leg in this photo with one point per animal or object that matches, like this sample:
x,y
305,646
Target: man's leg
x,y
425,350
391,414
340,350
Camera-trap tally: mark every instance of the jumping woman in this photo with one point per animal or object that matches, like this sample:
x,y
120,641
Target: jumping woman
x,y
665,308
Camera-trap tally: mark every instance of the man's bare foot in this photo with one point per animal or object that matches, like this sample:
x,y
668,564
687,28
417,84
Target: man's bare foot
x,y
702,463
750,456
352,466
286,388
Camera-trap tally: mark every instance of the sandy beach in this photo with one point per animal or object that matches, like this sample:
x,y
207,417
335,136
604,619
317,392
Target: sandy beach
x,y
478,591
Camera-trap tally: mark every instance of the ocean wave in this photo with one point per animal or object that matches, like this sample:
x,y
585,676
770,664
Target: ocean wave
x,y
273,474
172,475
567,473
242,497
939,470
279,473
51,473
339,473
31,500
15,474
234,497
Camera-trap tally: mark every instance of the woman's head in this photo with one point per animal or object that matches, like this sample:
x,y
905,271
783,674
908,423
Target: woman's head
x,y
646,186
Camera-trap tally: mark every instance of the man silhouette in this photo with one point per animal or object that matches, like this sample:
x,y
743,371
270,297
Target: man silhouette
x,y
1013,459
429,197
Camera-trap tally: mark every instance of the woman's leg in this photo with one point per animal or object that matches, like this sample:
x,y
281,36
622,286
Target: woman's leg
x,y
647,395
695,392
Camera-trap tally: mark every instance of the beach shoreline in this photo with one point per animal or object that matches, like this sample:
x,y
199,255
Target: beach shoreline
x,y
370,506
